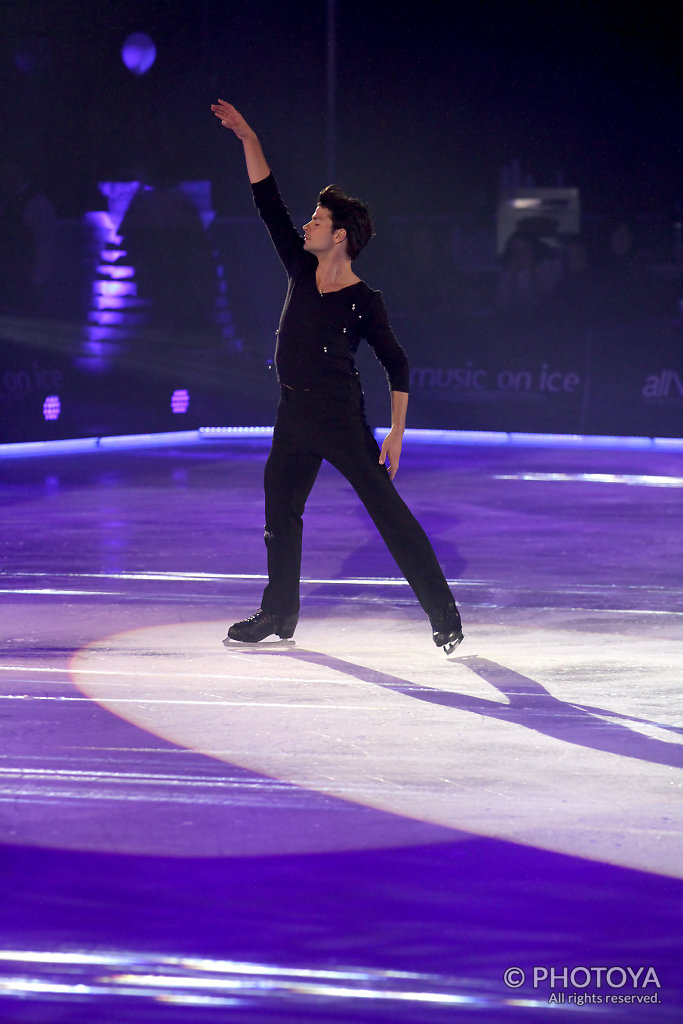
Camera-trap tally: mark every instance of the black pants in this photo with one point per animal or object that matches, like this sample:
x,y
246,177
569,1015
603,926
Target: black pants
x,y
330,424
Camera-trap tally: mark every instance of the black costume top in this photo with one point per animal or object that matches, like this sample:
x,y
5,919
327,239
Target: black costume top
x,y
319,334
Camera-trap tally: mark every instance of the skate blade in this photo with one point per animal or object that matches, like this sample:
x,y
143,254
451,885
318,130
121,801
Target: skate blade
x,y
449,648
269,642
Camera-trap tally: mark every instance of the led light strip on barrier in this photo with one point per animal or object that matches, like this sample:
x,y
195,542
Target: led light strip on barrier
x,y
413,435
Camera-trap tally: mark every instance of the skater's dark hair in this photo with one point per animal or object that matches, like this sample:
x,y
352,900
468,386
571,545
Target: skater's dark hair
x,y
350,214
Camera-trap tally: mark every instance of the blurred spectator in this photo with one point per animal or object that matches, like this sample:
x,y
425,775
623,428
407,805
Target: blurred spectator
x,y
174,265
577,297
27,241
627,289
529,273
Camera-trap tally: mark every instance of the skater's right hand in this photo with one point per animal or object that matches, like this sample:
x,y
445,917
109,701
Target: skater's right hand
x,y
231,118
257,165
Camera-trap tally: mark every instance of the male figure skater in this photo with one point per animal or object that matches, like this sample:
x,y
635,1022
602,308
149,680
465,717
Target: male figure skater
x,y
327,311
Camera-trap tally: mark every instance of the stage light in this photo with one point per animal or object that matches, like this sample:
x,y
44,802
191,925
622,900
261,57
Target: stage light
x,y
180,400
138,53
52,407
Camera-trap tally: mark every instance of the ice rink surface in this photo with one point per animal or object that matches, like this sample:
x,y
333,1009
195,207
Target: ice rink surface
x,y
348,826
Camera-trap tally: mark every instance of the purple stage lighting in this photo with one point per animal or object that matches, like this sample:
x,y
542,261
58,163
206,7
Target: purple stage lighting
x,y
52,407
180,400
138,53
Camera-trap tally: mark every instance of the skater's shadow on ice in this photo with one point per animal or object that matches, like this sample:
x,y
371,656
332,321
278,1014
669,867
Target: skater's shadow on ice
x,y
529,705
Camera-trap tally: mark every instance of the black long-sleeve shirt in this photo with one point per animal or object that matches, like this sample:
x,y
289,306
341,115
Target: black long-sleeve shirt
x,y
319,334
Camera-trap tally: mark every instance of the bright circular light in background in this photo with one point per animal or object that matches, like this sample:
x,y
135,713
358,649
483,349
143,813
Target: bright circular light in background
x,y
138,53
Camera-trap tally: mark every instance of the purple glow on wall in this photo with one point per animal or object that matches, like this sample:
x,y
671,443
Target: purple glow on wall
x,y
104,318
115,288
116,273
109,295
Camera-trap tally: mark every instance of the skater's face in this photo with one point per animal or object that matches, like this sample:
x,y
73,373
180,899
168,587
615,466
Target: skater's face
x,y
319,235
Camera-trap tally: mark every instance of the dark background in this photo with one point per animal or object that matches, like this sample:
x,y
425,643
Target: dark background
x,y
433,100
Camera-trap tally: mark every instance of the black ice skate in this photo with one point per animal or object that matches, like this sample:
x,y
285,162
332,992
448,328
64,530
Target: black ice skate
x,y
447,629
257,627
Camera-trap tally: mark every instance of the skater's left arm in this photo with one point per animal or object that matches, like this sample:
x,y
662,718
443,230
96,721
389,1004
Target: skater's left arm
x,y
392,357
393,442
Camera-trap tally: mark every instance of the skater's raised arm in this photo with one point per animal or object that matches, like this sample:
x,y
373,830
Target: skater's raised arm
x,y
272,210
257,165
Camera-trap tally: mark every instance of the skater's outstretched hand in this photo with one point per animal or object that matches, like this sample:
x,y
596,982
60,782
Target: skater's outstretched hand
x,y
230,117
391,451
